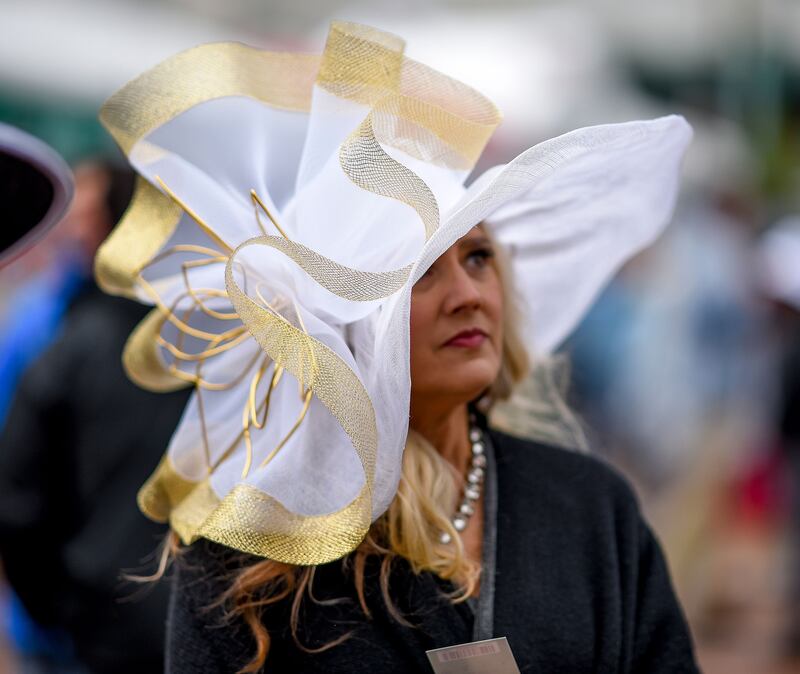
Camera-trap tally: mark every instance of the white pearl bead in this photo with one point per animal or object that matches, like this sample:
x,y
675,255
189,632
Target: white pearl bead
x,y
479,461
467,509
445,538
459,523
474,435
472,493
475,475
477,448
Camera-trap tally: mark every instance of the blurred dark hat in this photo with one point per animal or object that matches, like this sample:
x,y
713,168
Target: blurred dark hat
x,y
36,188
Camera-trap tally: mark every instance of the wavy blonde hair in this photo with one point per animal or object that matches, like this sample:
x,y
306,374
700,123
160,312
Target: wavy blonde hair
x,y
410,528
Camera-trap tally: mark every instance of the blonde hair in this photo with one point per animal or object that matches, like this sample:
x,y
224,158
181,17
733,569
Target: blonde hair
x,y
427,495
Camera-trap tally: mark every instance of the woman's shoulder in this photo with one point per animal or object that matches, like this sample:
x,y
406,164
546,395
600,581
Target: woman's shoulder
x,y
557,474
573,542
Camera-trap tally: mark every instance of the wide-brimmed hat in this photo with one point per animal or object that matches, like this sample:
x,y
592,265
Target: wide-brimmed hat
x,y
36,188
286,206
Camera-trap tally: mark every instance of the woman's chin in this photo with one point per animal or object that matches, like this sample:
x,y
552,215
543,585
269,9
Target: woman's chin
x,y
469,380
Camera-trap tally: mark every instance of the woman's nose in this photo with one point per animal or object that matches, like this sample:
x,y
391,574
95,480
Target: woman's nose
x,y
462,291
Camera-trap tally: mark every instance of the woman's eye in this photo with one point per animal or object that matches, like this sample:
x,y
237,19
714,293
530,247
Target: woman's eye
x,y
480,257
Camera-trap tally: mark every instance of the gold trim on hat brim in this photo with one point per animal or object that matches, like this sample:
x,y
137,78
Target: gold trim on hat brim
x,y
194,511
203,73
145,227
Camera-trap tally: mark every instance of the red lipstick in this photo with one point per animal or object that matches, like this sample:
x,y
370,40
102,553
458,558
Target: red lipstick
x,y
467,339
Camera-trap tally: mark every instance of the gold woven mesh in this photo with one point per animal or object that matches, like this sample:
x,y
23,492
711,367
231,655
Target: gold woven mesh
x,y
351,284
164,490
188,515
366,163
204,73
427,131
141,360
366,65
145,227
249,520
360,63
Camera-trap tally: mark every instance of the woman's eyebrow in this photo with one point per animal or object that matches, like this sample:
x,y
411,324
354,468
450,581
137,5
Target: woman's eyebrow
x,y
475,241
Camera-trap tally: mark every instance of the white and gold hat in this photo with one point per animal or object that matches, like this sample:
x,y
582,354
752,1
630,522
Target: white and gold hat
x,y
286,206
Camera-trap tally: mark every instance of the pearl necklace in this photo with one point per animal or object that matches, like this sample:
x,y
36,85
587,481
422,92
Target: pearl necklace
x,y
474,482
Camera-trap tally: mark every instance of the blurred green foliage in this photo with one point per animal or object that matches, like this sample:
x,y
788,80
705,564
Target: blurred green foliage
x,y
71,129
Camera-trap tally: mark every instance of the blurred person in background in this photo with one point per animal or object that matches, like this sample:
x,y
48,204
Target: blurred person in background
x,y
77,441
60,266
682,316
778,255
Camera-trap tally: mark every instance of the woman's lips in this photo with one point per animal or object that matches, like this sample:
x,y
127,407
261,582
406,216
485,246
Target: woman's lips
x,y
467,340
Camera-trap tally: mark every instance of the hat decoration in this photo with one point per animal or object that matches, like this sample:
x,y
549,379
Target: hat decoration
x,y
286,205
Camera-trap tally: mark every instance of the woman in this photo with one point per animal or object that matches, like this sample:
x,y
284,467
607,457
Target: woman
x,y
577,579
344,502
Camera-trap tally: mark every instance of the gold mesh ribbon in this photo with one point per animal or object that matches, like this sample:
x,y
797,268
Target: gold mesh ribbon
x,y
360,63
146,225
420,111
202,74
141,360
238,520
351,284
165,490
366,163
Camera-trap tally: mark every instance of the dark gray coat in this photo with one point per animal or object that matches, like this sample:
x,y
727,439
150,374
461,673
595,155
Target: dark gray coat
x,y
580,586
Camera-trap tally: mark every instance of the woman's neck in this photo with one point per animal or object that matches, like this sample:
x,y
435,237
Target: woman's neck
x,y
446,430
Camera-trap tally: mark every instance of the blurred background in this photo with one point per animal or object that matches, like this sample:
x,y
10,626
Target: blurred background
x,y
686,373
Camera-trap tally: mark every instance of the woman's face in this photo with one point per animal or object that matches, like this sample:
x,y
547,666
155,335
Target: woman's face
x,y
457,325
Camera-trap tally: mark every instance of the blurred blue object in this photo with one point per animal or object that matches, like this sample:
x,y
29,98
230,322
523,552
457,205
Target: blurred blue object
x,y
32,321
31,639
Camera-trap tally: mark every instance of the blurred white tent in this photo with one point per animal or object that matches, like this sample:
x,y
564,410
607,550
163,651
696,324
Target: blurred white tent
x,y
549,66
86,49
